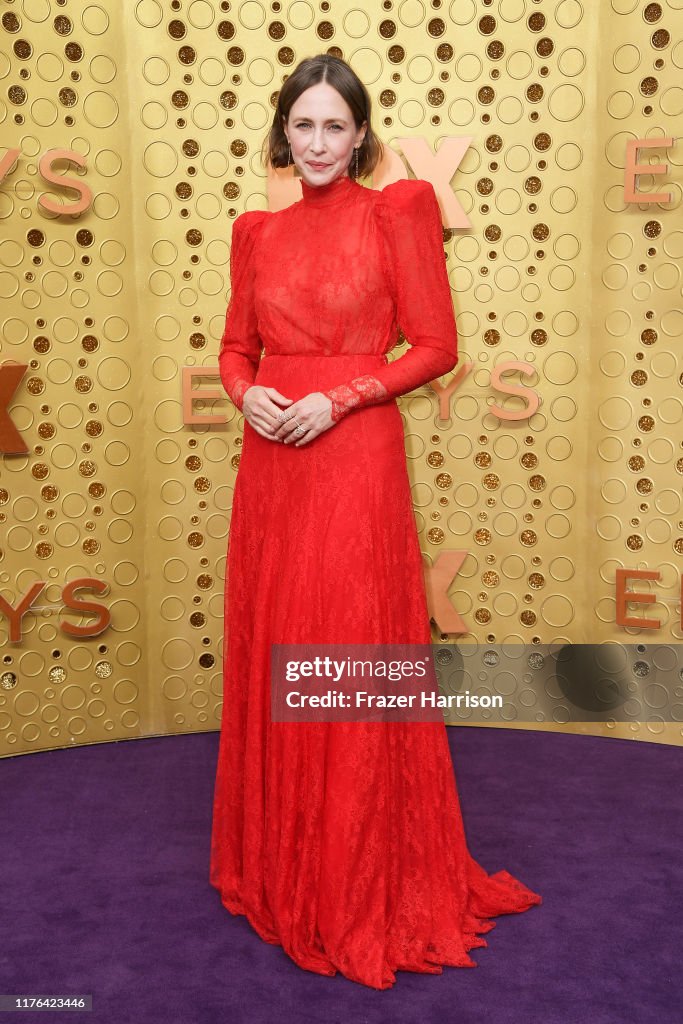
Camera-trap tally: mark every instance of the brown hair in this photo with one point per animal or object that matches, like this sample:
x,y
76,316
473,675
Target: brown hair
x,y
337,73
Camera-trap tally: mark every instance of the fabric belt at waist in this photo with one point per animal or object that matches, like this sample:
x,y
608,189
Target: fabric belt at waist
x,y
325,355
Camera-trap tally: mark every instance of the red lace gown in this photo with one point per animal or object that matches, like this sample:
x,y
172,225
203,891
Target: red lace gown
x,y
343,842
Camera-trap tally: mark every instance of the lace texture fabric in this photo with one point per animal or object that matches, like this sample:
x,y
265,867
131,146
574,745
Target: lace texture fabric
x,y
240,346
343,842
414,264
387,276
360,391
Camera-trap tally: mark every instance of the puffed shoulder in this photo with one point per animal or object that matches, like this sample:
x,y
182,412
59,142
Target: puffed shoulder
x,y
412,197
407,193
247,226
406,204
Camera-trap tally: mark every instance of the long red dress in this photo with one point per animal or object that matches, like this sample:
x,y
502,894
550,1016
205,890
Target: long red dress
x,y
343,842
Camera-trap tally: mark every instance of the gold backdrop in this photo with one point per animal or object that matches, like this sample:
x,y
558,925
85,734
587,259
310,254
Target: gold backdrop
x,y
129,146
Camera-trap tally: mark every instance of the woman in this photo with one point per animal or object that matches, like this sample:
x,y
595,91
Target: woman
x,y
341,841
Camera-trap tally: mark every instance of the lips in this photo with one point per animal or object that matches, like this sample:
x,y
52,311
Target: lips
x,y
311,163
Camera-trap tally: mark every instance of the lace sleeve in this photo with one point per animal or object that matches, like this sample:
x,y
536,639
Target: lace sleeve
x,y
411,228
240,347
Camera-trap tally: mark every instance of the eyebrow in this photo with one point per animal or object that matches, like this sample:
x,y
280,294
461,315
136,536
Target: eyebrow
x,y
304,117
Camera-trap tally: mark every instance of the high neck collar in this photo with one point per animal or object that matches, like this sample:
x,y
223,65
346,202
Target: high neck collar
x,y
337,190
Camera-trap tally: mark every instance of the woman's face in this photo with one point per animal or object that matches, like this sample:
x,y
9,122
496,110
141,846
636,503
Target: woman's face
x,y
321,130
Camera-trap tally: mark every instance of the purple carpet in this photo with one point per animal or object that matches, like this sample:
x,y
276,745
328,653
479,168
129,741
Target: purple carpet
x,y
105,853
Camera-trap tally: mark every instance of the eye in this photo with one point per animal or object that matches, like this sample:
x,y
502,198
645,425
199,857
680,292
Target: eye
x,y
305,124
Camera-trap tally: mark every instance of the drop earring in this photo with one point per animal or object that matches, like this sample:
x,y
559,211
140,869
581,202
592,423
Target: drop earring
x,y
289,159
356,154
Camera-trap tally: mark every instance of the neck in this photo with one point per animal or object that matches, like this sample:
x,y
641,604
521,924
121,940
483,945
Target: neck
x,y
337,190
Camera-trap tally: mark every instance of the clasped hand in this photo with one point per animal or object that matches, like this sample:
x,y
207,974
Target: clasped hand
x,y
261,407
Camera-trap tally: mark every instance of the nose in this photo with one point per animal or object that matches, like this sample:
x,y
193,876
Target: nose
x,y
317,145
